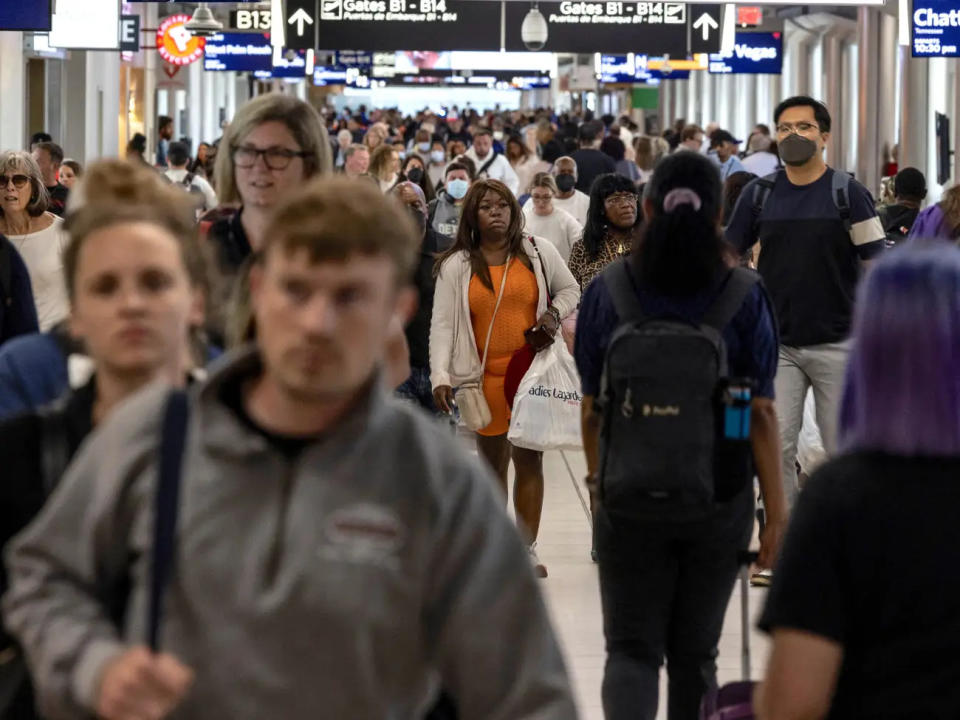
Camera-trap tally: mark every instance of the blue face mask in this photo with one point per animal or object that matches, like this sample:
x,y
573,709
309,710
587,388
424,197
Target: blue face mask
x,y
438,156
457,189
423,147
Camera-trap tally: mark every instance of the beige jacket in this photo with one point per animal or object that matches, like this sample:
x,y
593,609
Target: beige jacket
x,y
454,359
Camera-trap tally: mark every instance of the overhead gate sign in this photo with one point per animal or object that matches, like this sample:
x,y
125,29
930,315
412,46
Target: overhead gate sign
x,y
416,24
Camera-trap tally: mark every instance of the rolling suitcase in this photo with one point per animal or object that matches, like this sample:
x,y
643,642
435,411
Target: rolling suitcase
x,y
734,701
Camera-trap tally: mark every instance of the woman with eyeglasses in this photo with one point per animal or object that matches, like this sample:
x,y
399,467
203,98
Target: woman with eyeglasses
x,y
544,220
36,234
612,219
273,145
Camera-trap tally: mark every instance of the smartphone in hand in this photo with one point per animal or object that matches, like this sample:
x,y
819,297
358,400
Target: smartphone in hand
x,y
538,338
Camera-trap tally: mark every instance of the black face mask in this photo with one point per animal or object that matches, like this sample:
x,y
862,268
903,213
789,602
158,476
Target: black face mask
x,y
796,150
566,182
415,175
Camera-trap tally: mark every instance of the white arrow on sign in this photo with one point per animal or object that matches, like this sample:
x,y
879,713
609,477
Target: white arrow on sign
x,y
706,22
300,17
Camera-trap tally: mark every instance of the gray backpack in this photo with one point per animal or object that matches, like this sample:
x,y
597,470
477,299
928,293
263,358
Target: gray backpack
x,y
664,396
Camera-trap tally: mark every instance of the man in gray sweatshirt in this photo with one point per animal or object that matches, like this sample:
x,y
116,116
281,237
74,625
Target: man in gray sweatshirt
x,y
338,555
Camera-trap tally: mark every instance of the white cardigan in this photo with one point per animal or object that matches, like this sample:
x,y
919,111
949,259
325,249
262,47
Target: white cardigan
x,y
454,359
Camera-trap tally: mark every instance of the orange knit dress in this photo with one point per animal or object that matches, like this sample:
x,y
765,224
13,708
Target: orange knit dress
x,y
517,314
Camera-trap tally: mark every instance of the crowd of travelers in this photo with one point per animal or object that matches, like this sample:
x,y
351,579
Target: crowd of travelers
x,y
259,402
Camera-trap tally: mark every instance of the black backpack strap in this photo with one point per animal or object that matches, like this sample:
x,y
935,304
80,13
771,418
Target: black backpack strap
x,y
761,191
738,285
840,184
618,279
172,443
54,445
188,179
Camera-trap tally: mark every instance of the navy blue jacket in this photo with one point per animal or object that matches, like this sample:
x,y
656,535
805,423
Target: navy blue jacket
x,y
19,315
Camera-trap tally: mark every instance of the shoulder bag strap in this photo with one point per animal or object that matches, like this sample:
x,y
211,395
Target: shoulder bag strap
x,y
488,163
486,345
738,285
166,509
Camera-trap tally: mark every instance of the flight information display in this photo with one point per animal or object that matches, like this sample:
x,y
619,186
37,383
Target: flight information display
x,y
752,54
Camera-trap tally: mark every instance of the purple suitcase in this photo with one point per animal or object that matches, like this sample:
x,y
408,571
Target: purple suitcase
x,y
734,701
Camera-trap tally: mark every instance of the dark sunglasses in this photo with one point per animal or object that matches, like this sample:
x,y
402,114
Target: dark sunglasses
x,y
18,180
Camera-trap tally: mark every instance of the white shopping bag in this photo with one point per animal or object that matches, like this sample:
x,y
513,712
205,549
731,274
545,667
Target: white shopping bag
x,y
546,408
810,451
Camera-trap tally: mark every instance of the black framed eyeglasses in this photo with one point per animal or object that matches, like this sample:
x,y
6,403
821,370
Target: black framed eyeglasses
x,y
245,156
18,180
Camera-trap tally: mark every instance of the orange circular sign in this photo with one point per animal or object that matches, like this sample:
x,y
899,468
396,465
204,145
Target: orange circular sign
x,y
176,44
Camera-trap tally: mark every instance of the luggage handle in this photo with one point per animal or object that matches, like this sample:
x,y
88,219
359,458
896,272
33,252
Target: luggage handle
x,y
745,559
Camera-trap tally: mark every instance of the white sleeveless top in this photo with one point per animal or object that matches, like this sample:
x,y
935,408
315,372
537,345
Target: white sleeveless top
x,y
42,253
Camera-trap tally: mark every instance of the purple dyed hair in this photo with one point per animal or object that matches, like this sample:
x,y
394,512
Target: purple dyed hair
x,y
902,392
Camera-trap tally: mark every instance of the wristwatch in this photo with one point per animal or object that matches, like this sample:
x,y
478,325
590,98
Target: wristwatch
x,y
556,314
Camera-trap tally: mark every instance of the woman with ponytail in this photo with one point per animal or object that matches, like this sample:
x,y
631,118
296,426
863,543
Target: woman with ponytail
x,y
665,582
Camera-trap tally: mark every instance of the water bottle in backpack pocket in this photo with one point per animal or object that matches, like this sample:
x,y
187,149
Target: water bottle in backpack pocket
x,y
676,428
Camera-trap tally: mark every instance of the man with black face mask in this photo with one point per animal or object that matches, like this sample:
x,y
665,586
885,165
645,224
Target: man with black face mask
x,y
569,198
417,387
816,227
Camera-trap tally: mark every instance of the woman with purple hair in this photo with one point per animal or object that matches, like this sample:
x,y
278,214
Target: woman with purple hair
x,y
865,605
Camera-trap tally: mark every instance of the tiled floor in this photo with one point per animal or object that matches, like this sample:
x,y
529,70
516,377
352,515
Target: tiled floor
x,y
573,595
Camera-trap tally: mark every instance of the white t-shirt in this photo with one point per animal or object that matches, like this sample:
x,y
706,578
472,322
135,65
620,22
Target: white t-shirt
x,y
559,227
577,205
177,176
500,169
41,252
760,163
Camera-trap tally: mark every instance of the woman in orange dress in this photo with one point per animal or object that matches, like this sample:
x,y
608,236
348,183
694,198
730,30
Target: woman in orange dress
x,y
492,252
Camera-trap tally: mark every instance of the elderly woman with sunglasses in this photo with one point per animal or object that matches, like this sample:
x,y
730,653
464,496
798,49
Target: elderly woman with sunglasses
x,y
36,233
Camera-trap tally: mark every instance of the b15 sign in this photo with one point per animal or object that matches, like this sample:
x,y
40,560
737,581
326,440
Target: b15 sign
x,y
936,28
752,54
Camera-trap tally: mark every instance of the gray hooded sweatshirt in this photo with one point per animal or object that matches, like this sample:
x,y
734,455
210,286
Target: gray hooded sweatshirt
x,y
349,583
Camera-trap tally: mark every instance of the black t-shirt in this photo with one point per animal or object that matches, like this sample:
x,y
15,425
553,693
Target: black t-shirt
x,y
231,395
590,164
808,260
871,561
58,199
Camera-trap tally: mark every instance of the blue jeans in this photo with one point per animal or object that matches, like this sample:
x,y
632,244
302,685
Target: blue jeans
x,y
417,389
665,588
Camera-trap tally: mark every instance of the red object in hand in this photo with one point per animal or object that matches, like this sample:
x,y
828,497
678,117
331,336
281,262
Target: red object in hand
x,y
519,364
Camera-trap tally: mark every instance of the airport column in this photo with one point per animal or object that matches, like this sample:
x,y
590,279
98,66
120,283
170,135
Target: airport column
x,y
914,110
12,80
195,103
150,69
887,97
868,138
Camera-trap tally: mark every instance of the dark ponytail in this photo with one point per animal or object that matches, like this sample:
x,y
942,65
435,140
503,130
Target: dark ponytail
x,y
682,249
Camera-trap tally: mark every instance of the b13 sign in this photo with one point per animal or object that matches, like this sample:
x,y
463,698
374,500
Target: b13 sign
x,y
753,54
936,28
